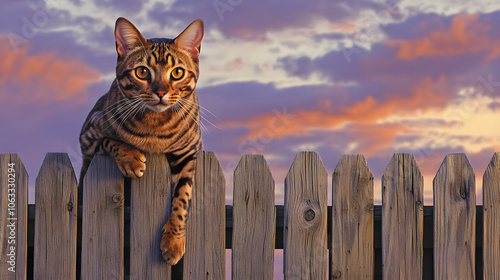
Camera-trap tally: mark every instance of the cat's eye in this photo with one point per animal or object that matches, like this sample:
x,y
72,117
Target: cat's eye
x,y
142,72
177,73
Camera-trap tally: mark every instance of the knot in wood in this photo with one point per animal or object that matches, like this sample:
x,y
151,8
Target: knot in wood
x,y
336,274
117,199
70,206
463,193
420,205
369,207
309,215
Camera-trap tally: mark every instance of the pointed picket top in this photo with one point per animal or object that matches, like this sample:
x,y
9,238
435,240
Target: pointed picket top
x,y
13,217
454,219
14,158
352,219
209,173
54,163
306,188
254,220
256,163
206,224
353,164
150,198
491,237
56,219
103,220
402,219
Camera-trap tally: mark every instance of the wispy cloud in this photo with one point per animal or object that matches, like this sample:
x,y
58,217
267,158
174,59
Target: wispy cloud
x,y
466,34
43,77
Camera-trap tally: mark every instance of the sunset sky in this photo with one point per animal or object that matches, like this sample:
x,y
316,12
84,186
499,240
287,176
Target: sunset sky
x,y
276,78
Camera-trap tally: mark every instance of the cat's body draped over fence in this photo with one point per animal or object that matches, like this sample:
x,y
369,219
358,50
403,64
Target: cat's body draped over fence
x,y
152,107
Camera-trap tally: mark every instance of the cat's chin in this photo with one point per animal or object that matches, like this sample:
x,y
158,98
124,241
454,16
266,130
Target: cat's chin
x,y
159,108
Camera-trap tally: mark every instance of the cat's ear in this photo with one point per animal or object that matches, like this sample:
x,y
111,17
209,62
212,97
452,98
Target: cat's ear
x,y
127,36
190,38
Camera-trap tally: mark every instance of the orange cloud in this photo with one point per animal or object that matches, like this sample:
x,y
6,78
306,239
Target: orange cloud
x,y
42,77
375,139
344,27
236,64
426,95
465,35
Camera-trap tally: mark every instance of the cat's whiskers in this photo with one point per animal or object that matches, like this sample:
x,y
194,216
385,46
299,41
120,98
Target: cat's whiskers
x,y
117,107
120,105
201,112
121,102
122,109
178,110
120,116
183,102
133,109
141,107
202,109
176,107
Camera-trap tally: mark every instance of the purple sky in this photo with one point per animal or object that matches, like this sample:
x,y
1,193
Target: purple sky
x,y
336,77
333,77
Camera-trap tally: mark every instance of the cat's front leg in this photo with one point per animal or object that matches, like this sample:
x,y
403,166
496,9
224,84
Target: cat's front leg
x,y
174,231
130,160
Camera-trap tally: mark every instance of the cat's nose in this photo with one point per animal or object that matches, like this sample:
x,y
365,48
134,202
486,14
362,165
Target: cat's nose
x,y
161,93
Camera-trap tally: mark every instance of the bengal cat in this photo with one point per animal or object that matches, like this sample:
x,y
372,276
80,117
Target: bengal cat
x,y
152,107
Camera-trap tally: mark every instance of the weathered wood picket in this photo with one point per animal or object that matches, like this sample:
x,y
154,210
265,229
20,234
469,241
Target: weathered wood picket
x,y
119,232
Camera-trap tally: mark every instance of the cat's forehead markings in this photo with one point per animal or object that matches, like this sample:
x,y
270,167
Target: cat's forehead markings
x,y
161,51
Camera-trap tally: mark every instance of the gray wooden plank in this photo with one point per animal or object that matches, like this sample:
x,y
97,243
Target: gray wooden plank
x,y
352,220
13,217
454,219
102,224
206,224
254,217
305,224
491,233
55,219
402,219
150,202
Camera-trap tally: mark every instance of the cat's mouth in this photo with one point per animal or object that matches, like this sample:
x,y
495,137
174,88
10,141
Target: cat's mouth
x,y
159,107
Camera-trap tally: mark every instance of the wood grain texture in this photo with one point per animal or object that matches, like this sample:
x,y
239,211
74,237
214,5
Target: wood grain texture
x,y
16,219
206,224
352,220
254,228
55,219
454,219
305,225
103,224
402,219
491,233
150,200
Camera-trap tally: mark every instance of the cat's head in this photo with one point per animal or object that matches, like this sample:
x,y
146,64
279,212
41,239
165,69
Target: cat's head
x,y
161,72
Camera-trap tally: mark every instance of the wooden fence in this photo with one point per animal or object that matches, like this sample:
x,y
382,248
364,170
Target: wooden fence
x,y
119,232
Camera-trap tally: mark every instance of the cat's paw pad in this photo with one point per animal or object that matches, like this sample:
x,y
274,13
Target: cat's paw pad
x,y
132,164
172,247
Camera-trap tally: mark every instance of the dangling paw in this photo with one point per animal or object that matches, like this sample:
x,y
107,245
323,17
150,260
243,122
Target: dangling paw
x,y
173,244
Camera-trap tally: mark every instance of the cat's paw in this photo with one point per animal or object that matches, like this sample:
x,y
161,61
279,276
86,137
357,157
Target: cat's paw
x,y
131,163
172,247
